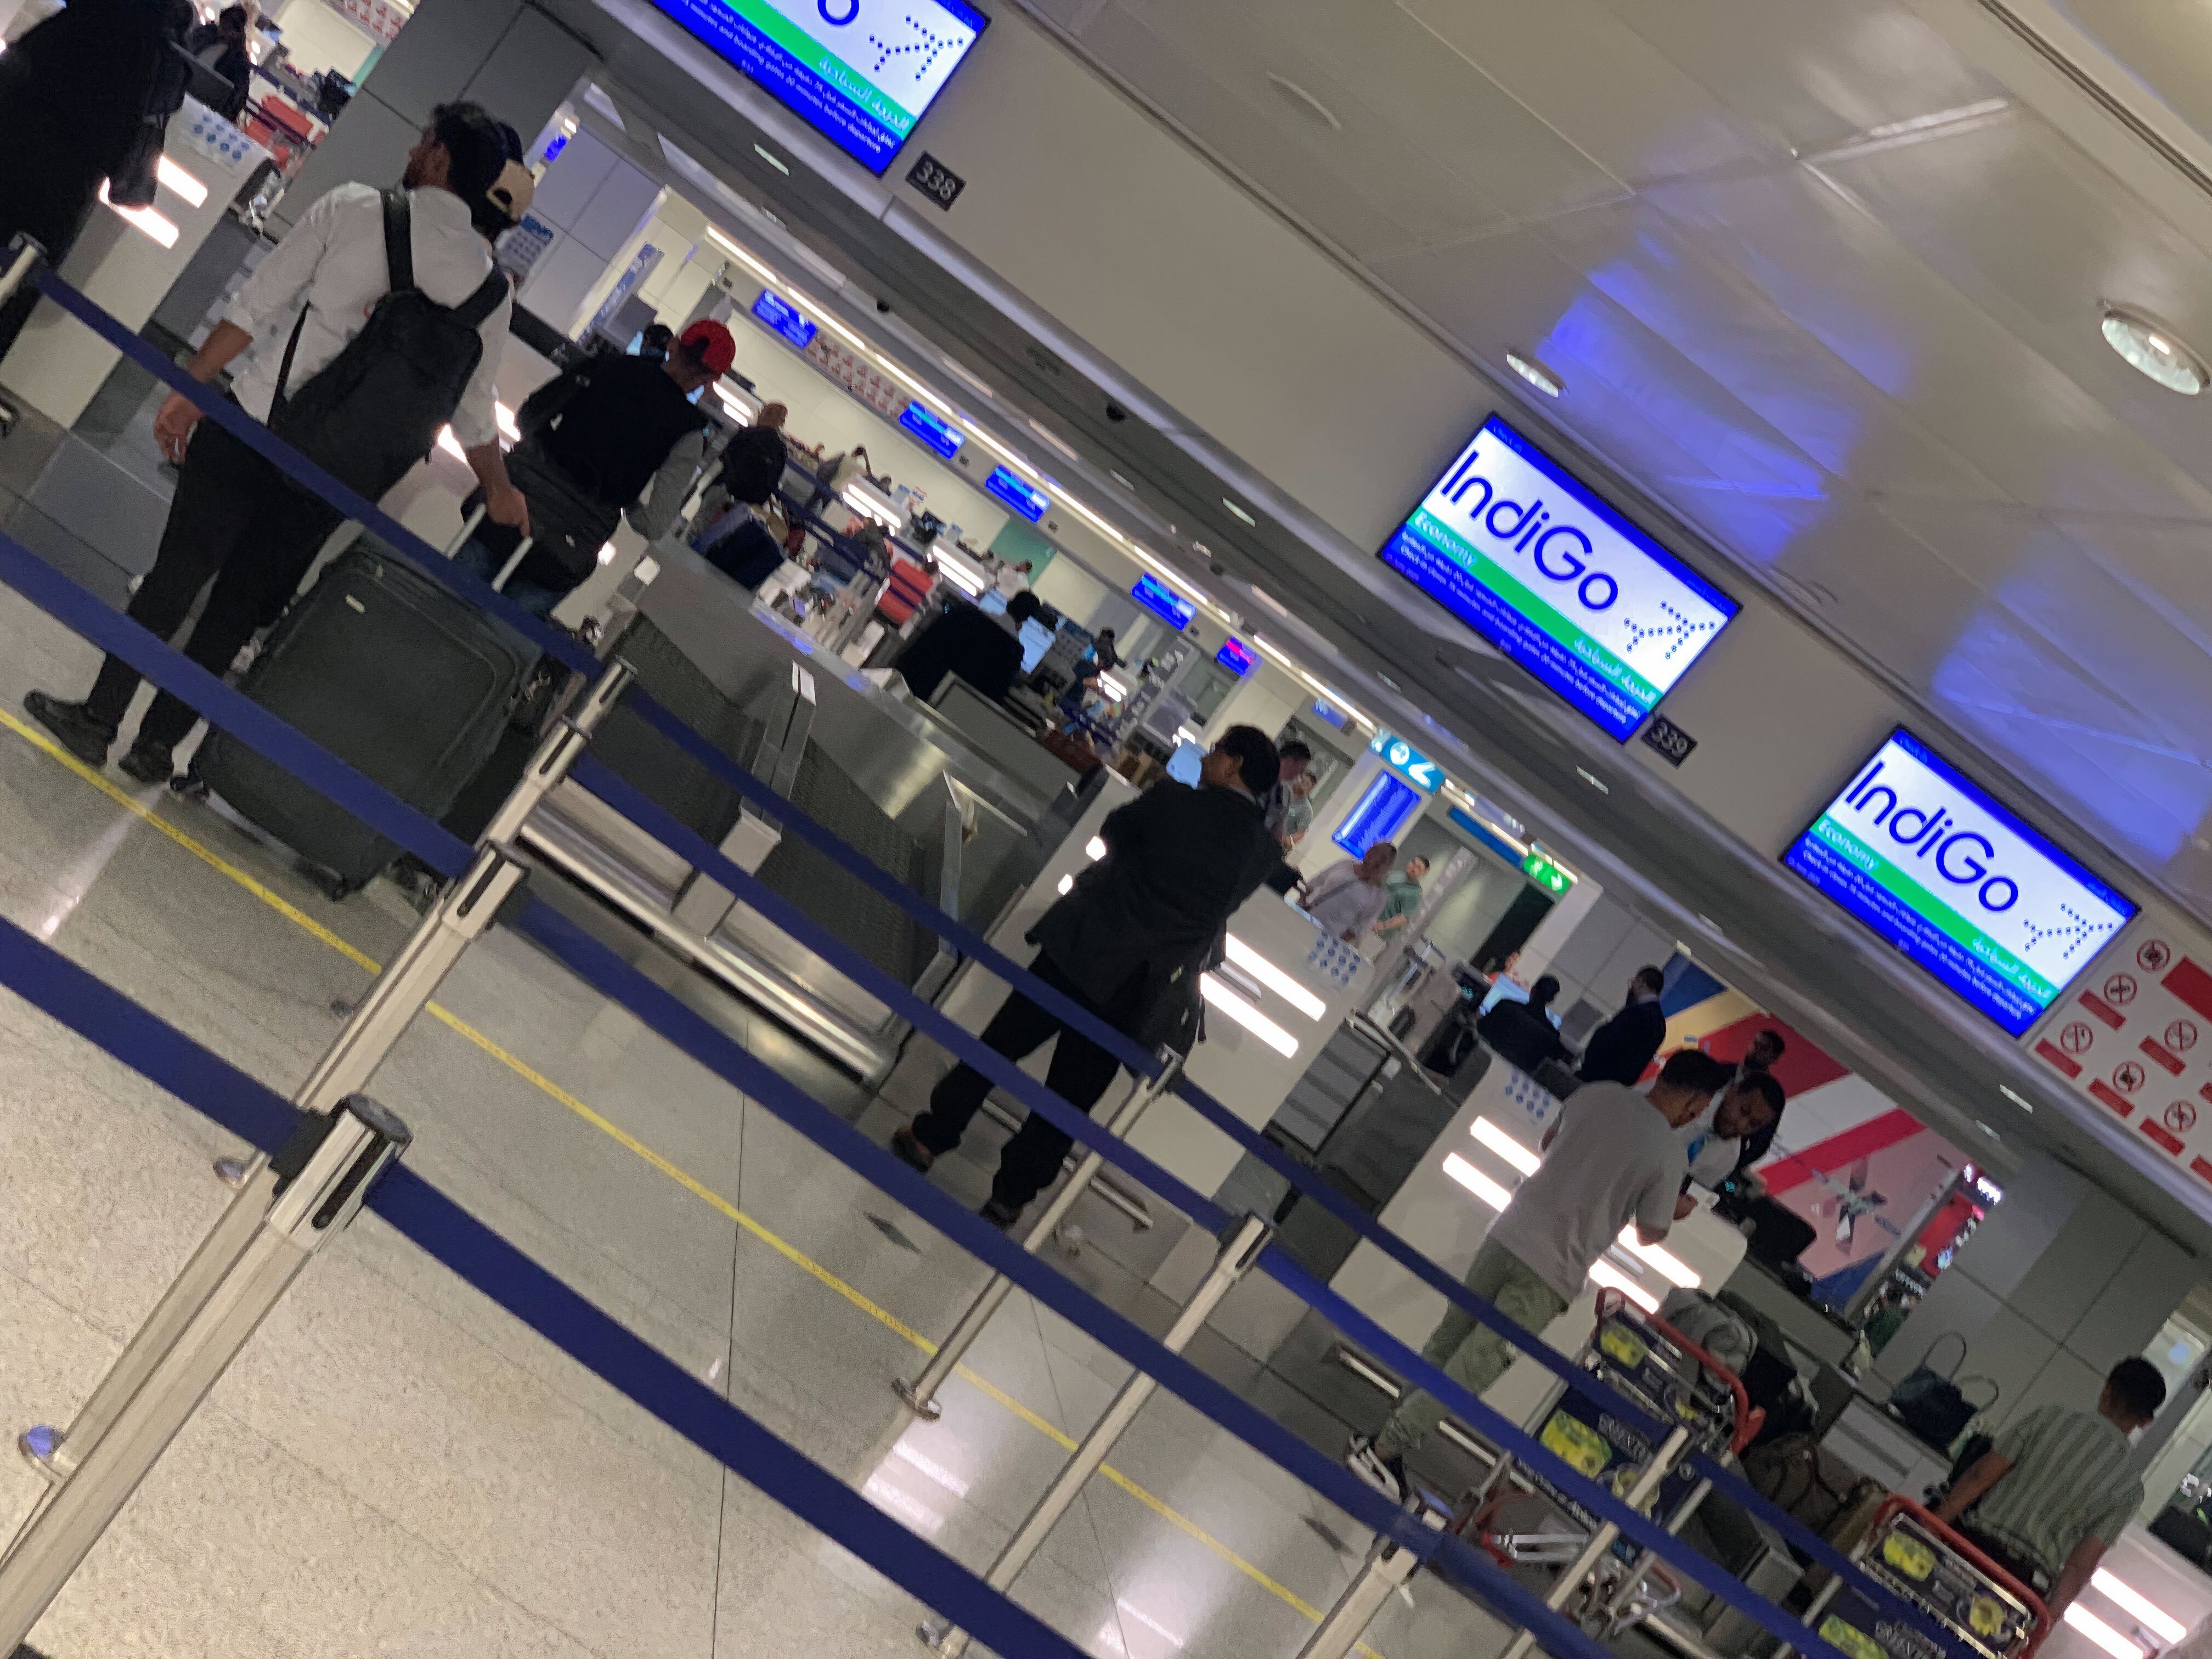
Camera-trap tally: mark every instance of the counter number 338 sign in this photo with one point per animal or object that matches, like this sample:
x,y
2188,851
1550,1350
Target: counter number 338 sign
x,y
936,180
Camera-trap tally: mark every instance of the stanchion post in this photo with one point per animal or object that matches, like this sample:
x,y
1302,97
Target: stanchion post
x,y
1246,1240
400,992
1639,1494
921,1394
1389,1563
293,1203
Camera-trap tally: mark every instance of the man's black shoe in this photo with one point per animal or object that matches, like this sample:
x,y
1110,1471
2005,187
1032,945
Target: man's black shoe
x,y
999,1215
79,732
908,1147
148,762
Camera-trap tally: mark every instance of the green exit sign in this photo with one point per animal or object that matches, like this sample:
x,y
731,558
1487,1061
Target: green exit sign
x,y
1546,874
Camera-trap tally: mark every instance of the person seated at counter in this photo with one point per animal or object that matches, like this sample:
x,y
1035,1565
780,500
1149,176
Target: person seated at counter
x,y
1345,899
2051,1496
1613,1160
981,649
1735,1128
1524,1033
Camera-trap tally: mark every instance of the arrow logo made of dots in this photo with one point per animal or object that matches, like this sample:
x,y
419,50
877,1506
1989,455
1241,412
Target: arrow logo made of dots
x,y
931,45
2075,924
1682,627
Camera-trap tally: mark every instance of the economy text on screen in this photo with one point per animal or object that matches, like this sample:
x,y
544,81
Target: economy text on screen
x,y
859,72
1523,555
1967,891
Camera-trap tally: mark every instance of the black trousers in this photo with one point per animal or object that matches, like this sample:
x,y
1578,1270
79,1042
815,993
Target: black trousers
x,y
237,522
1079,1073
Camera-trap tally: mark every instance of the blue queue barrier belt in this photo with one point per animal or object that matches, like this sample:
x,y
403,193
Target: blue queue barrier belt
x,y
629,802
249,1108
447,854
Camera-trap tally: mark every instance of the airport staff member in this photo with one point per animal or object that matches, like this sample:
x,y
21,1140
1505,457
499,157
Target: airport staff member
x,y
1128,942
1721,1140
1619,1049
966,642
236,520
1282,804
2048,1499
1616,1160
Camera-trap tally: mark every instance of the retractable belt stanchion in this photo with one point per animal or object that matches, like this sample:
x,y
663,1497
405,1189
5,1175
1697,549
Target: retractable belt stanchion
x,y
250,1255
1389,1563
292,1203
921,1394
1242,1249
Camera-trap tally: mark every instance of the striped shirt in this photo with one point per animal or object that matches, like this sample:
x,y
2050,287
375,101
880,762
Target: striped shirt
x,y
2069,1481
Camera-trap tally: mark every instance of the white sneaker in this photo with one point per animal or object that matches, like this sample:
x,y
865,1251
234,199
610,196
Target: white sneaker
x,y
1385,1475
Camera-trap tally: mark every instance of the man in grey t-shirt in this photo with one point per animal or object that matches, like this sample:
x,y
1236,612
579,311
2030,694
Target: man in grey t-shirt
x,y
1614,1159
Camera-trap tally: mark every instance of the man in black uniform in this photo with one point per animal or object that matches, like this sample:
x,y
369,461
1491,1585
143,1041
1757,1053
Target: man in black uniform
x,y
1129,943
1620,1048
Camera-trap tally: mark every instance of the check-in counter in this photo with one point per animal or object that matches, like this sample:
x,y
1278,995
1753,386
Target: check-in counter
x,y
1445,1210
859,758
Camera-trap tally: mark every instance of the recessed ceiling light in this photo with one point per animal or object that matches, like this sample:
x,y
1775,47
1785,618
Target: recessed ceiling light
x,y
1986,1130
2151,347
1395,686
1056,443
2017,1098
1126,483
776,161
1240,512
1295,94
1544,379
1593,780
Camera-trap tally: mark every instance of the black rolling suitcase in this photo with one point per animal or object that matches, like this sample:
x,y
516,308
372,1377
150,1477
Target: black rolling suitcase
x,y
394,673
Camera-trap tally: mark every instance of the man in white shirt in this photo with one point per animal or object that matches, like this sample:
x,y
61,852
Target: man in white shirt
x,y
235,519
1718,1139
1615,1160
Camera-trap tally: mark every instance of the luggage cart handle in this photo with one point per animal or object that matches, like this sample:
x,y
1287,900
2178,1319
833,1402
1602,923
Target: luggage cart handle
x,y
1748,1419
1896,1502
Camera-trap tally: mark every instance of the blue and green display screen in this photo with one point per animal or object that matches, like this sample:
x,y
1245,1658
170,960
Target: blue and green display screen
x,y
1521,552
1962,888
860,72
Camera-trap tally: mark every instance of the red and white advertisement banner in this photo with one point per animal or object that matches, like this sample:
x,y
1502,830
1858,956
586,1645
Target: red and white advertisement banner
x,y
379,18
2135,1037
870,384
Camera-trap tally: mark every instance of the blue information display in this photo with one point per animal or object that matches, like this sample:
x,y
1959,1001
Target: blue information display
x,y
859,72
780,314
1381,813
1967,891
1532,561
932,434
1010,490
1163,602
1236,659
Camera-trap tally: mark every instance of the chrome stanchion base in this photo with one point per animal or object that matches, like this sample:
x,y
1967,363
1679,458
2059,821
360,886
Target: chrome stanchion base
x,y
933,1632
39,1444
910,1393
231,1171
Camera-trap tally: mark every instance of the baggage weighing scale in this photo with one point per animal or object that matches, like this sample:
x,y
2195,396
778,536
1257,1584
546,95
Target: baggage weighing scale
x,y
1654,1366
1910,1552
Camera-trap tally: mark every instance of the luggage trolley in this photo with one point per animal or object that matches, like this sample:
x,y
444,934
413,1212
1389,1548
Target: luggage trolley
x,y
1652,1364
1909,1550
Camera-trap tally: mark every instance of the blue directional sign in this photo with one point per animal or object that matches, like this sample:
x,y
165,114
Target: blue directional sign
x,y
1408,762
933,433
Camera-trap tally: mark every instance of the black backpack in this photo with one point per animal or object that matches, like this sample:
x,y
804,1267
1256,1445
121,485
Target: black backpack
x,y
375,409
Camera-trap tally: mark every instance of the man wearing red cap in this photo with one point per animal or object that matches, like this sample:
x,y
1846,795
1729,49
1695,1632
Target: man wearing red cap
x,y
610,436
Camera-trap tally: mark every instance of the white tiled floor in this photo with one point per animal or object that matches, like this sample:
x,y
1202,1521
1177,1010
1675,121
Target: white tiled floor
x,y
395,1466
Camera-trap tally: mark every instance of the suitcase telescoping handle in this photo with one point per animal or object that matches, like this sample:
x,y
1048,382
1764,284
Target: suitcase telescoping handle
x,y
468,529
514,559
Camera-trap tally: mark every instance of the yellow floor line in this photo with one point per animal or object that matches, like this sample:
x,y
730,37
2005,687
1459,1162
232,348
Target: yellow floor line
x,y
630,1143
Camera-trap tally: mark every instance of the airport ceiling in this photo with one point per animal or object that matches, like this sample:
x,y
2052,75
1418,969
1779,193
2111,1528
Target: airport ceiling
x,y
1824,288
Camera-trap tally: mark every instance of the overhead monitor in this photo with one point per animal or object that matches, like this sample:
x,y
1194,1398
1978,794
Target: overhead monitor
x,y
780,315
1163,602
1965,889
1011,490
934,435
1555,578
1236,658
860,72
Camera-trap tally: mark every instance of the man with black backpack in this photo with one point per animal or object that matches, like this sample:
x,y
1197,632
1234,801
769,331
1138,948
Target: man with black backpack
x,y
403,318
610,434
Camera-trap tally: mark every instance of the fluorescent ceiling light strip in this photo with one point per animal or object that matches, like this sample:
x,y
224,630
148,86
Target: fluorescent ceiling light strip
x,y
1475,1181
191,189
999,449
1611,1278
1066,449
2102,1633
1275,979
2155,1618
1505,1146
1096,523
1214,990
1669,1264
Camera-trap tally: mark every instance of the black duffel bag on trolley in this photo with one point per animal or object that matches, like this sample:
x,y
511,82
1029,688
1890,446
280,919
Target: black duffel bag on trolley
x,y
1933,1404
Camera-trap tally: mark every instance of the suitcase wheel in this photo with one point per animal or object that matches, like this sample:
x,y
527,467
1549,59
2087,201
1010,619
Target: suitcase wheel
x,y
337,888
